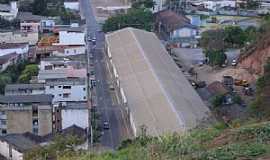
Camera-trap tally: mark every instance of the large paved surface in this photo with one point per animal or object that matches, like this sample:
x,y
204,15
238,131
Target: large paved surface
x,y
110,111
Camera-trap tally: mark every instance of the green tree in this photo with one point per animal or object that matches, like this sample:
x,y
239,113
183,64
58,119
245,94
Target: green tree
x,y
137,18
143,4
39,7
251,34
234,36
28,72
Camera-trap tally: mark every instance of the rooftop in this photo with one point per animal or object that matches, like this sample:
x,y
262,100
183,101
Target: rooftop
x,y
66,81
22,86
12,45
5,7
153,84
28,16
19,142
7,57
38,98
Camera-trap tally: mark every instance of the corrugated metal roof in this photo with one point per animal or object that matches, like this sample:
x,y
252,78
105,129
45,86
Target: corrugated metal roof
x,y
158,94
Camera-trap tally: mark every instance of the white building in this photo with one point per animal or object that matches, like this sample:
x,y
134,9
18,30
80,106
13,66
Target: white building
x,y
66,90
74,114
72,5
70,51
70,37
19,48
9,12
19,37
214,5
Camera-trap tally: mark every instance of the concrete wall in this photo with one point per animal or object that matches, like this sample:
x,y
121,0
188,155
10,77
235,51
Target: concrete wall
x,y
71,51
76,93
184,32
16,155
9,37
71,38
29,27
72,5
19,121
78,117
4,149
45,121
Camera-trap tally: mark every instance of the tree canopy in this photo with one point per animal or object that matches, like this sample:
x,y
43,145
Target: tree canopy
x,y
137,18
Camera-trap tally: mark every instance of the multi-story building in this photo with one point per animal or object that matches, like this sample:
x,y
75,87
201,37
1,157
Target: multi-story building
x,y
72,5
19,48
19,37
9,11
66,89
26,113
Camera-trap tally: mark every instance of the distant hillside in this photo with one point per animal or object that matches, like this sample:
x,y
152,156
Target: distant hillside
x,y
250,142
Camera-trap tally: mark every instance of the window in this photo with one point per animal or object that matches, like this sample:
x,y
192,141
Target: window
x,y
35,122
59,86
35,130
66,95
35,111
66,87
51,87
84,97
4,131
3,122
84,89
59,95
74,50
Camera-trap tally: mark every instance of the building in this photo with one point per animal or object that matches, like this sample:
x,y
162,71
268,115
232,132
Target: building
x,y
159,5
26,113
19,37
16,146
19,48
66,90
74,114
215,5
149,84
53,63
177,28
7,60
25,89
29,26
70,35
72,5
9,11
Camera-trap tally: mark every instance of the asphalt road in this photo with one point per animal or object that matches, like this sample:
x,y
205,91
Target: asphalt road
x,y
109,112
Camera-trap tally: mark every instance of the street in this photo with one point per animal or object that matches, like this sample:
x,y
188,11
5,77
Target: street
x,y
110,112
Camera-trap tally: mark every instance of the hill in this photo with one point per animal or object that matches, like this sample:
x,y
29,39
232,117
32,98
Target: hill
x,y
249,142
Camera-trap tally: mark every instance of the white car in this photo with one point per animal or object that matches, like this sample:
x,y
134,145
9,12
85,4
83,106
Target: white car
x,y
234,62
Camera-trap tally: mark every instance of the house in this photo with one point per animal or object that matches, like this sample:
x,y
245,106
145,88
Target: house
x,y
66,89
72,5
19,48
7,60
16,146
74,114
26,113
9,11
176,28
47,25
70,36
149,84
19,37
53,63
29,26
25,89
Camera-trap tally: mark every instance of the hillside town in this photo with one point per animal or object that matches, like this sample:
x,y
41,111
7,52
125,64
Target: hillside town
x,y
134,79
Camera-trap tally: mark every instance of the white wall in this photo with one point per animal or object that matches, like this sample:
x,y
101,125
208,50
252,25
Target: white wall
x,y
77,93
4,149
71,51
78,117
184,32
22,51
72,5
71,38
16,155
47,23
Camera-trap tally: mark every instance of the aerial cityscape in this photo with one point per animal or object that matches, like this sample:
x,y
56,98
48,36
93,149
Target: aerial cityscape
x,y
134,79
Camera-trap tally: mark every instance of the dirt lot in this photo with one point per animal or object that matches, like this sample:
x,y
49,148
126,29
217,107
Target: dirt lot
x,y
101,15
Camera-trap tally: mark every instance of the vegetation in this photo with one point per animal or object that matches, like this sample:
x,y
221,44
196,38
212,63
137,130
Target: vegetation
x,y
13,72
5,24
216,143
137,18
29,71
60,146
250,4
143,4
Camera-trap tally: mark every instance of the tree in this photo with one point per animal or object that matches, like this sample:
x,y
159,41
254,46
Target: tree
x,y
234,36
28,72
252,4
143,4
39,7
213,44
137,18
